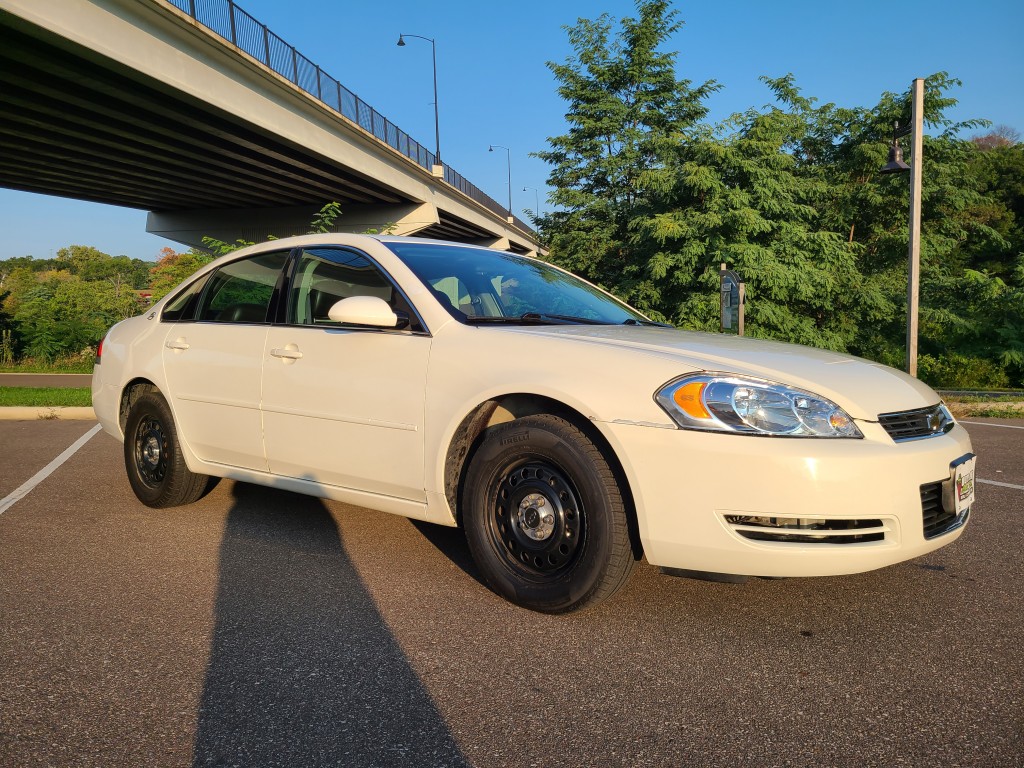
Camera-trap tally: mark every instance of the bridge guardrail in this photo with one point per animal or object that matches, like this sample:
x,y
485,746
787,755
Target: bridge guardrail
x,y
229,21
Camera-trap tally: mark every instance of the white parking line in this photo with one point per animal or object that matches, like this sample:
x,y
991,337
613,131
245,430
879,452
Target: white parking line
x,y
1001,485
988,424
21,492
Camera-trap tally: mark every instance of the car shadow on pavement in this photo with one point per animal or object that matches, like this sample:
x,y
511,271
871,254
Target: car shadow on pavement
x,y
450,542
303,671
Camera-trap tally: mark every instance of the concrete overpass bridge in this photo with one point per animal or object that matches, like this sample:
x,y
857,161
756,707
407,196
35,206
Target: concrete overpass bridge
x,y
196,112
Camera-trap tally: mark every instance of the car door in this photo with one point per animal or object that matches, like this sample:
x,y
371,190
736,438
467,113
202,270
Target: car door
x,y
343,405
213,362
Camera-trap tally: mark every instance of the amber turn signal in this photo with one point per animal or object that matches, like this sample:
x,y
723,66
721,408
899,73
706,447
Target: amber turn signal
x,y
688,398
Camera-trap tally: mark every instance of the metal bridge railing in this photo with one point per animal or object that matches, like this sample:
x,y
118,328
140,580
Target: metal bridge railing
x,y
235,25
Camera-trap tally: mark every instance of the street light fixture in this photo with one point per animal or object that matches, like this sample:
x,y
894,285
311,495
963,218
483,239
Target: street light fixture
x,y
536,201
438,169
896,165
508,160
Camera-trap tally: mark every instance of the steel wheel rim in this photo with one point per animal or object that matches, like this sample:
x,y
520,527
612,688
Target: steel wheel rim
x,y
151,451
536,521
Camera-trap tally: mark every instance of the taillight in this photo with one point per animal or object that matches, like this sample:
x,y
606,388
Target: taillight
x,y
99,350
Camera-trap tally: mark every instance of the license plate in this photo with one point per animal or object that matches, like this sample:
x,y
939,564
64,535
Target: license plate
x,y
962,471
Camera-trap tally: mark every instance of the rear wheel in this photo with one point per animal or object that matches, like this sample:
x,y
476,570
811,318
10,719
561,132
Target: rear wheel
x,y
152,455
544,516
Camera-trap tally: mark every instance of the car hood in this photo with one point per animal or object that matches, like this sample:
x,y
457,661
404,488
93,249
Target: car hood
x,y
863,388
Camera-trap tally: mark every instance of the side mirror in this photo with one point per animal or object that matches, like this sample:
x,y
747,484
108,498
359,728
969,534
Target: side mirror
x,y
364,310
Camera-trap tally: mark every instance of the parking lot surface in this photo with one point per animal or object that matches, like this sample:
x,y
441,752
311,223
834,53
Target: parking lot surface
x,y
261,628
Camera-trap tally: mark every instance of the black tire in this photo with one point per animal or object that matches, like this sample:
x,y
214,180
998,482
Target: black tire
x,y
152,456
544,516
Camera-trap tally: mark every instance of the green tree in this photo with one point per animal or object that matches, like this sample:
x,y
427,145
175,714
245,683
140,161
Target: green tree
x,y
744,196
26,264
846,148
999,170
323,220
80,259
91,264
650,199
627,111
173,268
62,314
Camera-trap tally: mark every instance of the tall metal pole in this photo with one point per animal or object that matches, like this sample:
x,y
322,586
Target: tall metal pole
x,y
536,200
914,254
438,168
508,157
508,160
437,119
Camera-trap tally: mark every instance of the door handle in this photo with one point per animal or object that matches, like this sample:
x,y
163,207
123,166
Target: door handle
x,y
288,352
178,344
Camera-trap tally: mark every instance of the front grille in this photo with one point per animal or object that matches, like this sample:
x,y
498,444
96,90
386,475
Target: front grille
x,y
921,422
937,520
792,530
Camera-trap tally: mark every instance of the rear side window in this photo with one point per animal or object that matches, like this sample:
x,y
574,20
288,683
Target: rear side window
x,y
240,292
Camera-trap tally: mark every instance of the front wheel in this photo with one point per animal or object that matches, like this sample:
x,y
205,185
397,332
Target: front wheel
x,y
544,516
152,456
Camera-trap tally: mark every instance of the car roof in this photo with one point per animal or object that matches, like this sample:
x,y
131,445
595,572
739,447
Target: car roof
x,y
346,238
343,239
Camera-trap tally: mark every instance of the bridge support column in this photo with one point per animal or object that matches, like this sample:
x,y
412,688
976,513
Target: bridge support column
x,y
498,243
259,224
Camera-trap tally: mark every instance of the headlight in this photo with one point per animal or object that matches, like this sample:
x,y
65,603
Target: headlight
x,y
723,403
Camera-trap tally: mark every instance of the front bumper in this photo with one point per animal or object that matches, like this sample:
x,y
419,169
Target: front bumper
x,y
696,495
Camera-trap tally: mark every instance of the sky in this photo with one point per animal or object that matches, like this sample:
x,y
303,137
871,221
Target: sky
x,y
494,86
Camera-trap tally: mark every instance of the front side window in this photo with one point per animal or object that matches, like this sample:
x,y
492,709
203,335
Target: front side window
x,y
240,292
325,276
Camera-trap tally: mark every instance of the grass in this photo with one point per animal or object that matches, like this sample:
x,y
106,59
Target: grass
x,y
73,364
43,397
986,409
994,405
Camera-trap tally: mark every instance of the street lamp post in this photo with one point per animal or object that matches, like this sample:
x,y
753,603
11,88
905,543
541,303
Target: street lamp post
x,y
536,201
896,165
438,169
508,160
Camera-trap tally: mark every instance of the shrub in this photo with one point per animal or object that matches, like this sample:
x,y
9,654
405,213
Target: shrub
x,y
953,371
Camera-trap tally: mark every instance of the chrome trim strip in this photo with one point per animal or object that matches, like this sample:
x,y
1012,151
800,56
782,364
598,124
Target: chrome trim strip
x,y
822,532
630,423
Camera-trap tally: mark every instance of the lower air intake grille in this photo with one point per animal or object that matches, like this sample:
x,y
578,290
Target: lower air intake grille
x,y
936,519
792,530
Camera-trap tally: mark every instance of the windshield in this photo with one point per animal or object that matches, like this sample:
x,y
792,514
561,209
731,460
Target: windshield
x,y
480,286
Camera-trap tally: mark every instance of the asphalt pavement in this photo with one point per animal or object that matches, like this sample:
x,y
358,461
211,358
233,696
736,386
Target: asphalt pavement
x,y
261,628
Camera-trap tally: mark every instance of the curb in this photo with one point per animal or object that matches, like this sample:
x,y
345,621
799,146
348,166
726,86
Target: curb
x,y
49,413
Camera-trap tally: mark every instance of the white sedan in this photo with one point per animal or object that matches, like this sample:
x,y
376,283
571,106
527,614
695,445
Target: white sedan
x,y
564,431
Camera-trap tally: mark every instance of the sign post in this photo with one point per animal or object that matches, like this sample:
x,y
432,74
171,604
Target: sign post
x,y
914,251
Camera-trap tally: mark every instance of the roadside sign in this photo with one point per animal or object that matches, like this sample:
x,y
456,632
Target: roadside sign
x,y
732,290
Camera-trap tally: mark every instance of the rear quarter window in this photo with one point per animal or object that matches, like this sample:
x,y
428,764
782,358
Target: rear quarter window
x,y
241,291
183,306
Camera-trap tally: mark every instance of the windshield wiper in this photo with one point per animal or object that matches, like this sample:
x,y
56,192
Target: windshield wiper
x,y
535,318
633,321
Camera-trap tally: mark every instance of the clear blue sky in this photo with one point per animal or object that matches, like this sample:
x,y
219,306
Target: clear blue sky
x,y
495,88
